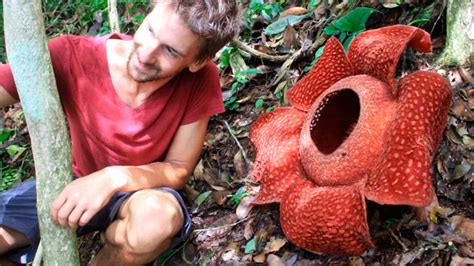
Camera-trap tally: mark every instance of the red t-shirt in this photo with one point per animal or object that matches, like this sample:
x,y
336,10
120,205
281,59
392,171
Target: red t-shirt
x,y
104,130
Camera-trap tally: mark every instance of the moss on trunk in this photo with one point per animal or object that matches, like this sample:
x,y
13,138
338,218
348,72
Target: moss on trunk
x,y
459,40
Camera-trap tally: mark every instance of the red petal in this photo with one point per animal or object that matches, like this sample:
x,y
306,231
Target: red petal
x,y
276,138
404,174
376,52
330,220
332,66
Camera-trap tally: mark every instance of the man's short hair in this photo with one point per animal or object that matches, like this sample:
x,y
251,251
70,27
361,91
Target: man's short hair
x,y
215,21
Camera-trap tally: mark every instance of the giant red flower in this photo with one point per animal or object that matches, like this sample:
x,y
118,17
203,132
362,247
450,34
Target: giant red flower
x,y
353,132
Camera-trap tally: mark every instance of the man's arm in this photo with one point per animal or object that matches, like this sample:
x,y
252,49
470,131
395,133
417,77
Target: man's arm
x,y
174,171
85,196
5,98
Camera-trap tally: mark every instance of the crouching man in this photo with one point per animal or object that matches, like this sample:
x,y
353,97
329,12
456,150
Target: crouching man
x,y
138,110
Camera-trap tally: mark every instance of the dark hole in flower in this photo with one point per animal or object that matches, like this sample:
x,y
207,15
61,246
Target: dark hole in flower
x,y
334,120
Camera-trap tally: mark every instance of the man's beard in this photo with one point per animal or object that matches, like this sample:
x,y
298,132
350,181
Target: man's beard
x,y
137,75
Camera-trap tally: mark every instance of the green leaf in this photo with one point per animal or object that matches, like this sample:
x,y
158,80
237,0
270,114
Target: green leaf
x,y
259,103
280,25
312,3
5,134
239,195
12,150
237,63
252,71
271,108
390,222
251,246
201,198
139,18
271,10
225,55
230,101
355,20
279,95
280,87
342,37
234,106
234,87
348,42
420,21
317,55
331,30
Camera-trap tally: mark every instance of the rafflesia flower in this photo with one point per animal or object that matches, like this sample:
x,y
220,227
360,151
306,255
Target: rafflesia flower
x,y
352,132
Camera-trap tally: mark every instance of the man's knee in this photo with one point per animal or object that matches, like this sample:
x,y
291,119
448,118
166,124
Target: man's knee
x,y
11,239
154,217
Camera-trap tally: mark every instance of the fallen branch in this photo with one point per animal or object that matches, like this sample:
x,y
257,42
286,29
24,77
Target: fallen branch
x,y
320,40
264,56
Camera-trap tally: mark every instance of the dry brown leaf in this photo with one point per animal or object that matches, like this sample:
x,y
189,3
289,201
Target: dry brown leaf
x,y
455,78
218,228
244,207
276,245
466,228
295,11
220,197
437,43
190,193
263,48
460,261
470,98
274,260
260,258
239,165
467,250
212,178
466,76
290,37
356,261
198,171
230,252
249,229
461,110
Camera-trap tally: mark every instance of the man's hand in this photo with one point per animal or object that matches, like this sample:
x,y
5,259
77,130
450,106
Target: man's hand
x,y
82,199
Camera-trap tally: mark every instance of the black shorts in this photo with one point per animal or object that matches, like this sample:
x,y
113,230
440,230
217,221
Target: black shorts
x,y
18,211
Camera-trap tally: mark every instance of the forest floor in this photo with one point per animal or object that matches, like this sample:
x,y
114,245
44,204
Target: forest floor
x,y
227,230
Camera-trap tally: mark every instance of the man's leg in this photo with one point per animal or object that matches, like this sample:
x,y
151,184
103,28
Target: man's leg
x,y
146,224
19,232
11,239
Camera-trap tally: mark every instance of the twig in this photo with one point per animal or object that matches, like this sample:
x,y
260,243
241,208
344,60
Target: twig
x,y
444,5
397,239
264,56
244,154
39,255
113,16
224,226
183,253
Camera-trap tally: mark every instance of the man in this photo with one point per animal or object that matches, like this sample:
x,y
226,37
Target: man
x,y
138,112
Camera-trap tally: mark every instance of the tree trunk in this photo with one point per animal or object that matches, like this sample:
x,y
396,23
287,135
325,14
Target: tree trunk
x,y
113,16
33,73
459,40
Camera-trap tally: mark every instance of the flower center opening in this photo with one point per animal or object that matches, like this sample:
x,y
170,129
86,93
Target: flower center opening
x,y
334,120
